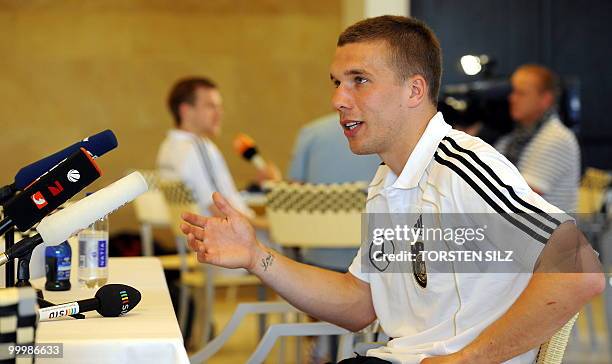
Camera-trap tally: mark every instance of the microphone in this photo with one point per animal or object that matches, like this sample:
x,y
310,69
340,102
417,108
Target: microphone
x,y
111,300
49,191
245,146
58,227
42,303
97,145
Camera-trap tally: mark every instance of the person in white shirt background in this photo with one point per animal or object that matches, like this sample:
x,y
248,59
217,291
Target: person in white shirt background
x,y
188,152
386,72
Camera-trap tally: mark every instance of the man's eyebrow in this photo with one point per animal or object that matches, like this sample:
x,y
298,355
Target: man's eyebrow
x,y
356,71
351,72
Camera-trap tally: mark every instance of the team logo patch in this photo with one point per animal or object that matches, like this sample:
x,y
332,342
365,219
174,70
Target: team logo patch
x,y
419,269
388,246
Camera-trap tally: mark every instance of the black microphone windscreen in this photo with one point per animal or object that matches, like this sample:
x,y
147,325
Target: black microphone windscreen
x,y
249,153
117,299
51,190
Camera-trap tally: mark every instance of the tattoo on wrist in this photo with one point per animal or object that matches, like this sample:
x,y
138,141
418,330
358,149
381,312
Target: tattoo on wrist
x,y
267,262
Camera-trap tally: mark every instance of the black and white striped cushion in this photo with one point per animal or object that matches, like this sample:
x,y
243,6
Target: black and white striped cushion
x,y
17,322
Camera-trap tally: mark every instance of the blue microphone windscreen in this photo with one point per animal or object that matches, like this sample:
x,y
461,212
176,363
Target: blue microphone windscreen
x,y
97,145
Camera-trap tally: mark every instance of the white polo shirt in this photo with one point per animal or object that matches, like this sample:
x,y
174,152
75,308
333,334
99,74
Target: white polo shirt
x,y
448,172
199,164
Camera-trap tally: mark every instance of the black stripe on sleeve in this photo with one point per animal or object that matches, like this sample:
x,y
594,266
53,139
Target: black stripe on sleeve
x,y
495,190
488,199
510,190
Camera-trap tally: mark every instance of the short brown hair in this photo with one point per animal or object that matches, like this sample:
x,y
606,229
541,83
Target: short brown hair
x,y
414,46
549,81
184,91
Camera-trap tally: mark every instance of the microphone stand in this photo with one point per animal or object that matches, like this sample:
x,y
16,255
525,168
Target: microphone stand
x,y
9,241
23,271
23,280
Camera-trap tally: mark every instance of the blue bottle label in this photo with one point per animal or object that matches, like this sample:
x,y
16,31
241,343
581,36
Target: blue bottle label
x,y
102,253
63,269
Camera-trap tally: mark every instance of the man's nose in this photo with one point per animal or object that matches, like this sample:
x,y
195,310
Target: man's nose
x,y
341,99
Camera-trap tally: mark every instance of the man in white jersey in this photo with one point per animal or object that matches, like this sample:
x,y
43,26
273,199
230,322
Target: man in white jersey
x,y
545,151
386,72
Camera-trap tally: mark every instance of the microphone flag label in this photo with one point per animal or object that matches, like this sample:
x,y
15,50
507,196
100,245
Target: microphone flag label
x,y
73,175
125,302
53,312
57,189
52,189
39,200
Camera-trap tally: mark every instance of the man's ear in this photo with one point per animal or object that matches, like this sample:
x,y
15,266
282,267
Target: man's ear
x,y
184,109
417,90
548,99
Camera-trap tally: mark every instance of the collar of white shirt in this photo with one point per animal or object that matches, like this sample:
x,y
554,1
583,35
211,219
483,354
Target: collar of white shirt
x,y
418,161
182,134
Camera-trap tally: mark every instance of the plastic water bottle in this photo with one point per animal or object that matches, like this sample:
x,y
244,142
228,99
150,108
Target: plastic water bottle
x,y
57,266
93,254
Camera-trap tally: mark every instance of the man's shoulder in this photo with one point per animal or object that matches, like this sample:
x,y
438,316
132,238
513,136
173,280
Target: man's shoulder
x,y
470,152
175,143
555,131
467,166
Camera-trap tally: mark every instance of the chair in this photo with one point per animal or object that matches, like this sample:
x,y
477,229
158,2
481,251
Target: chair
x,y
591,193
321,216
18,322
316,216
273,332
197,280
552,351
594,224
151,211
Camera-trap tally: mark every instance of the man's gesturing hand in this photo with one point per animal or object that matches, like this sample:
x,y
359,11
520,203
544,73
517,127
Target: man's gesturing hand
x,y
227,242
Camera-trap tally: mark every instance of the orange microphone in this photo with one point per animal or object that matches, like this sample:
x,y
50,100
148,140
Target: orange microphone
x,y
245,146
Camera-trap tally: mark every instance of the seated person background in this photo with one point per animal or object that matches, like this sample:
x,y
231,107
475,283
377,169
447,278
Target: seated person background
x,y
544,150
188,151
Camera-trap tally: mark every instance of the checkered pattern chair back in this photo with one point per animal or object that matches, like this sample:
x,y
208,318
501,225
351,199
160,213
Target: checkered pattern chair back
x,y
150,207
17,322
316,215
179,198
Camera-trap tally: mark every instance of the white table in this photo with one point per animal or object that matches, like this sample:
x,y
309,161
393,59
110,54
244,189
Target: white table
x,y
147,334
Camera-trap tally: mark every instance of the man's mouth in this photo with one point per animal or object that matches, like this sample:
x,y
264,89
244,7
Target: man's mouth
x,y
351,125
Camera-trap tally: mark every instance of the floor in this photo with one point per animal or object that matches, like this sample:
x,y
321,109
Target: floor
x,y
242,344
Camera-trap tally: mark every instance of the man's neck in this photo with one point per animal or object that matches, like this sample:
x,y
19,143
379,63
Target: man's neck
x,y
192,131
413,129
531,124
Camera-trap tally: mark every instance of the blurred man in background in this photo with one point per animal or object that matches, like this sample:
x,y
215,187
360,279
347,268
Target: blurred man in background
x,y
188,152
545,151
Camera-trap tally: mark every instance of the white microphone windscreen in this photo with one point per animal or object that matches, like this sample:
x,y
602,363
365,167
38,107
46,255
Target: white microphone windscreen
x,y
59,226
259,162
